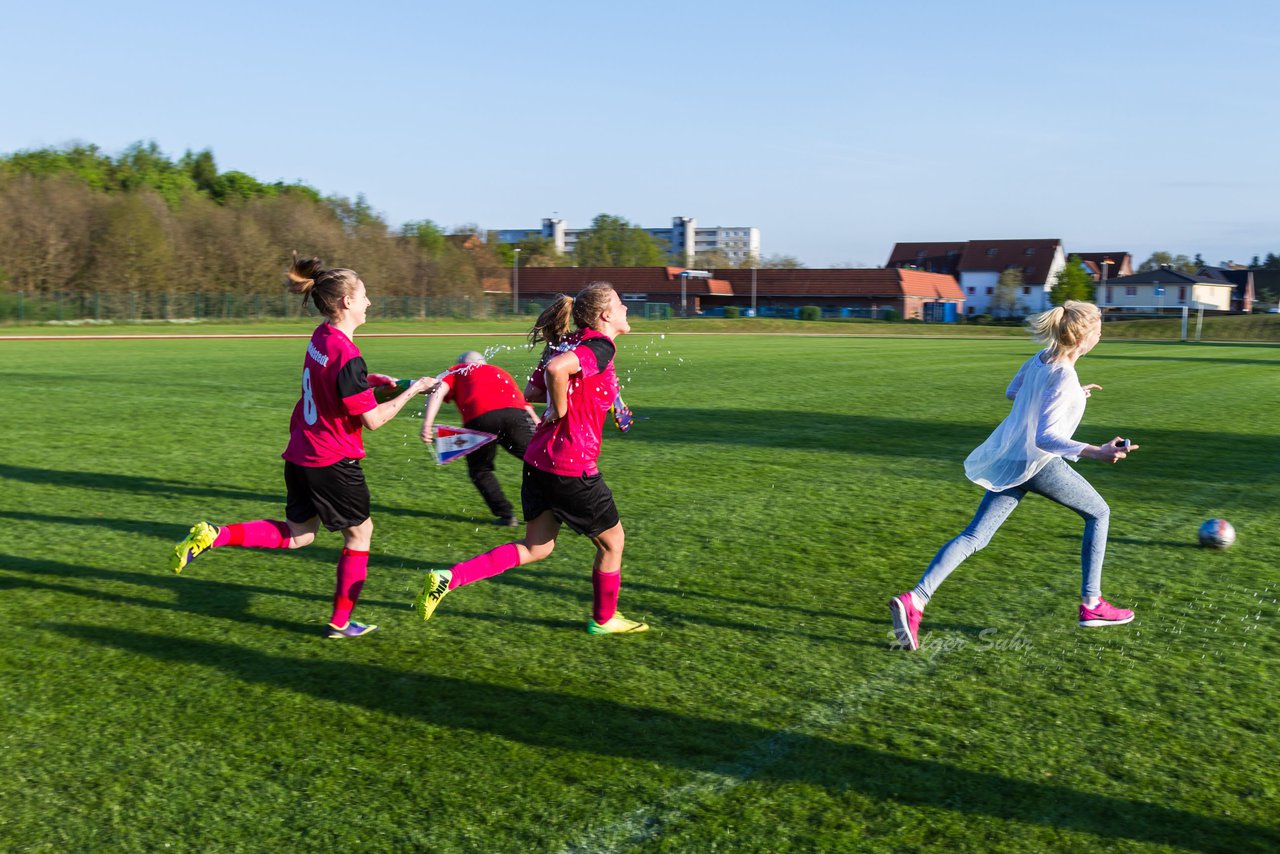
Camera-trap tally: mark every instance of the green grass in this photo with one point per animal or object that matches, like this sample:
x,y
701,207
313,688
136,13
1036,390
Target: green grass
x,y
776,492
1255,327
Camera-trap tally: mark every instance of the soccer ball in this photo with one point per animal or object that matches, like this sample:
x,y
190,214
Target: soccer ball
x,y
1217,533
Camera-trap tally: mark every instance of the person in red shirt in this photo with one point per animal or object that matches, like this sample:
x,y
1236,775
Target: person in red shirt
x,y
562,483
488,400
323,479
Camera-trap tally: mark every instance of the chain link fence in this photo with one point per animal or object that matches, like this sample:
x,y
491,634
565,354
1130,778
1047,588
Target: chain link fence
x,y
71,307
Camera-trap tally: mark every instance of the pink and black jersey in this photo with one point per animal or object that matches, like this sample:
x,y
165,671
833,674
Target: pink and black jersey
x,y
326,425
570,445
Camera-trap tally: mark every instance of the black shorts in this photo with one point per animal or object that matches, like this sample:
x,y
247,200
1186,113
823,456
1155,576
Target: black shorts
x,y
583,503
337,494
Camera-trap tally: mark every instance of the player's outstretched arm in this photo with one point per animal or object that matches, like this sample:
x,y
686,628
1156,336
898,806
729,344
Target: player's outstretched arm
x,y
434,400
384,412
1112,452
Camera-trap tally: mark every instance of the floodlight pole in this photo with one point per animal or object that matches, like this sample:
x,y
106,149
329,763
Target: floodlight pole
x,y
515,282
684,280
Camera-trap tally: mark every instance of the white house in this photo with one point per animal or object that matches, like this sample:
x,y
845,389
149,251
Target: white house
x,y
1165,288
978,265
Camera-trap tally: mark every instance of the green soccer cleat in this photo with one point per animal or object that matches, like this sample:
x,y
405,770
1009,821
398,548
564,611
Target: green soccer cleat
x,y
433,590
199,539
616,625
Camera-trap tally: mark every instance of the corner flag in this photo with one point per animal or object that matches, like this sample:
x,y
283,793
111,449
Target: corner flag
x,y
452,443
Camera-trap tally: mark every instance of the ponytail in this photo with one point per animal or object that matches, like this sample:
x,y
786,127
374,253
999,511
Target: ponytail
x,y
553,325
558,320
326,288
1064,326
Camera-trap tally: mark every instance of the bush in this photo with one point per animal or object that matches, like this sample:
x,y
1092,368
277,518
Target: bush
x,y
533,308
732,311
889,314
810,312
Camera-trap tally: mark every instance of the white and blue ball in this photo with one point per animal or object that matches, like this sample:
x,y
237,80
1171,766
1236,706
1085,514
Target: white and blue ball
x,y
1217,534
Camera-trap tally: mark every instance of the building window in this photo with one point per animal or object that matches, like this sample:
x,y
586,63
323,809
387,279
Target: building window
x,y
1030,250
972,290
990,291
992,251
1182,293
1108,293
1026,292
1027,270
1131,290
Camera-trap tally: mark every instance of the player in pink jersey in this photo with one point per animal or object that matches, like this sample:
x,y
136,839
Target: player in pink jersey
x,y
561,482
322,473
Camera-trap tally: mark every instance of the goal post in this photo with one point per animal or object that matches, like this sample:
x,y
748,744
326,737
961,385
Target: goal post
x,y
1182,313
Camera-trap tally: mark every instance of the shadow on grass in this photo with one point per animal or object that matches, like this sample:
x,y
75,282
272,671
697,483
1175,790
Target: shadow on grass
x,y
606,728
102,482
630,584
194,595
1166,455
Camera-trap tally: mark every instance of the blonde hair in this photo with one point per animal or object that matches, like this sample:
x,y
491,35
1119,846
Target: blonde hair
x,y
326,288
559,319
1063,327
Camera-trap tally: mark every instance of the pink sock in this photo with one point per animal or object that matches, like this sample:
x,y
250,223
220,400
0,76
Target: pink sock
x,y
490,563
353,568
263,534
604,599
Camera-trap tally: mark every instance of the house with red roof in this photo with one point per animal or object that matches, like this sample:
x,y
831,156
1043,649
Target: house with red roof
x,y
838,292
1106,265
978,265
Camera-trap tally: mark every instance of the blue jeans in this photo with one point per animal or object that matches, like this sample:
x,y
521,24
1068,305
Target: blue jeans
x,y
1058,482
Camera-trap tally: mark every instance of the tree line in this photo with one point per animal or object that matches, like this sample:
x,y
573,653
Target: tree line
x,y
76,219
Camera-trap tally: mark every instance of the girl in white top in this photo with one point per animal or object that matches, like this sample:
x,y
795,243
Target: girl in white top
x,y
1026,454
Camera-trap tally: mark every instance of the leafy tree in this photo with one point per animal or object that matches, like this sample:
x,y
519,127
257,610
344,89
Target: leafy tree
x,y
203,171
1157,260
1004,301
781,262
1272,262
718,259
1073,282
535,251
611,241
1198,261
1255,263
131,249
426,235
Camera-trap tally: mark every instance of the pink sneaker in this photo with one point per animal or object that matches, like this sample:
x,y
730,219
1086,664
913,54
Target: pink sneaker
x,y
906,621
1105,614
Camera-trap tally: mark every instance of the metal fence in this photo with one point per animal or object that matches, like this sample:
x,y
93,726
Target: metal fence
x,y
175,307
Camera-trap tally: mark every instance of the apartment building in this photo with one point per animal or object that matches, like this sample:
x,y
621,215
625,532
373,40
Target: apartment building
x,y
684,236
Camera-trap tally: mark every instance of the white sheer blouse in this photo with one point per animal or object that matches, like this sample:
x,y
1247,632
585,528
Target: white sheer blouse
x,y
1048,404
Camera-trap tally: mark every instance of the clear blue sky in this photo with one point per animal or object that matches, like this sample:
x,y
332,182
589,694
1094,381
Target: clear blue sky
x,y
837,128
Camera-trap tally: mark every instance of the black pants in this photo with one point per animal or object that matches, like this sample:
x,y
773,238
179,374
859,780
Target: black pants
x,y
514,430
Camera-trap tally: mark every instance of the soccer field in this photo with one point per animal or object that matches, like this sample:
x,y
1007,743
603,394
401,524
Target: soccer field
x,y
775,492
